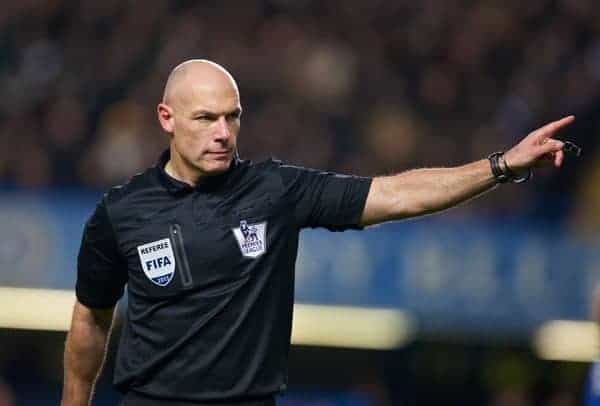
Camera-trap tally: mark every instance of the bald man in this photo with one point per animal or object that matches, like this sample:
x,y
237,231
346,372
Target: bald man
x,y
206,244
201,111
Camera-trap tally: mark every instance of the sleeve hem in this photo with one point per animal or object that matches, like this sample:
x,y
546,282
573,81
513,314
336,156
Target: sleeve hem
x,y
95,303
361,201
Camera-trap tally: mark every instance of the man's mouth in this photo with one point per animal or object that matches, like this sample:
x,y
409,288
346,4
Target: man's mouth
x,y
219,154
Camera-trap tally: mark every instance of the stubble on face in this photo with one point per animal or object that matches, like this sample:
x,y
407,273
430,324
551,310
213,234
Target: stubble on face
x,y
205,104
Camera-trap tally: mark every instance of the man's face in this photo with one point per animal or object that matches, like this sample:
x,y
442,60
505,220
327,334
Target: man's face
x,y
205,125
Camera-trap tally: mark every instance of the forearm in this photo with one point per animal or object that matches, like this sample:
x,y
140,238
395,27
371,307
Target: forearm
x,y
423,191
85,351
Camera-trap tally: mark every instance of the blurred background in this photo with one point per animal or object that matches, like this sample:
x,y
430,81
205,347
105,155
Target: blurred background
x,y
363,87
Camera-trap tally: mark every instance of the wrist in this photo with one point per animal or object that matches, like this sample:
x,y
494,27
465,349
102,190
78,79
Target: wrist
x,y
503,173
518,172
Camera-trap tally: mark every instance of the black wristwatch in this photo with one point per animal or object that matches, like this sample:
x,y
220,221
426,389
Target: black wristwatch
x,y
503,173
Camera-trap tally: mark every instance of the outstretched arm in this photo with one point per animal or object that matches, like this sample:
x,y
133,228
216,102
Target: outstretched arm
x,y
85,350
423,191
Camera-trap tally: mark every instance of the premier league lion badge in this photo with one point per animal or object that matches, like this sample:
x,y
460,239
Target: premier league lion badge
x,y
251,238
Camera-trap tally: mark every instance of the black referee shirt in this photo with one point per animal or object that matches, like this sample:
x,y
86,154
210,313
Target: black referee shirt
x,y
209,273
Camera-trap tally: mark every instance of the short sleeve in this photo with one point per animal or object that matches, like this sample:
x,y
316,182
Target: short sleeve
x,y
101,270
325,199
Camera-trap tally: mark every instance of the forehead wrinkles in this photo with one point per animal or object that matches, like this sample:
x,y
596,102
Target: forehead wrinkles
x,y
217,99
201,83
205,95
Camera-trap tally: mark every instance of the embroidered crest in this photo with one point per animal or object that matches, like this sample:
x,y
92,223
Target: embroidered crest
x,y
251,238
158,261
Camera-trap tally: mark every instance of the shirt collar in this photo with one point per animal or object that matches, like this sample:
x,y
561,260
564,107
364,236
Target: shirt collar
x,y
210,183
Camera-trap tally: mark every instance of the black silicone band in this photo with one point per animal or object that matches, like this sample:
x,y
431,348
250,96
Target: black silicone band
x,y
504,174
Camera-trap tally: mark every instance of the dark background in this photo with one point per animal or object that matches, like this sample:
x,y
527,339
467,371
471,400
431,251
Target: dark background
x,y
366,87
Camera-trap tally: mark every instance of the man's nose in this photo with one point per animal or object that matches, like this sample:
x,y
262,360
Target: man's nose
x,y
223,131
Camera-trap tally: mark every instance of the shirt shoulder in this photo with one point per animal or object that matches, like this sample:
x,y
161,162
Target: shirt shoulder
x,y
137,183
318,198
264,166
142,194
265,173
276,169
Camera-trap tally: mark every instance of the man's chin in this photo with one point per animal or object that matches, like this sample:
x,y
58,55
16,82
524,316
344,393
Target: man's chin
x,y
217,167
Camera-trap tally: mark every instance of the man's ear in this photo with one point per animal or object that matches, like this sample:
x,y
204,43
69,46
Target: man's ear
x,y
165,117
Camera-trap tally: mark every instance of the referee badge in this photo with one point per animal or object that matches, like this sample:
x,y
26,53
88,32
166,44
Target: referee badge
x,y
251,238
158,261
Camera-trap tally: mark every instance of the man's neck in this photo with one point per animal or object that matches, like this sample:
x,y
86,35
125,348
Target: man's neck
x,y
177,169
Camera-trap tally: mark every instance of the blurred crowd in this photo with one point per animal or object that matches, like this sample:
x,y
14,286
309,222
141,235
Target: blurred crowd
x,y
367,87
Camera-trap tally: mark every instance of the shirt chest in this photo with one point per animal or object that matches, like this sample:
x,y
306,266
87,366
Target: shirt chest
x,y
199,243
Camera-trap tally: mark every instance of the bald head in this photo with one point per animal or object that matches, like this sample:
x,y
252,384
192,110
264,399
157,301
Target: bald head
x,y
200,110
198,77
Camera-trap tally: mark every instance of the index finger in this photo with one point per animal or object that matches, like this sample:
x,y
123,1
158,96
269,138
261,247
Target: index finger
x,y
549,129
